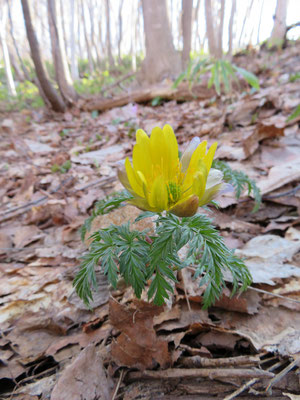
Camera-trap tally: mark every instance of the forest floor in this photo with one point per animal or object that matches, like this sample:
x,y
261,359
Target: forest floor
x,y
52,170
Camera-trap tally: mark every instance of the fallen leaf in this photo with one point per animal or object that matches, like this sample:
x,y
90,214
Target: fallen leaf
x,y
76,383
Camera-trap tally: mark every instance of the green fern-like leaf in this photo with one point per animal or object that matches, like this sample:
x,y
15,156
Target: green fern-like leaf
x,y
240,181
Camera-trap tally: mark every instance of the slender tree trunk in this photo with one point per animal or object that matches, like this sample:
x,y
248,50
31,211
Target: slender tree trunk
x,y
133,37
51,94
18,73
161,59
230,28
24,68
108,36
62,28
210,30
220,29
187,10
62,72
259,22
74,64
87,43
7,65
196,18
120,30
93,40
279,28
244,22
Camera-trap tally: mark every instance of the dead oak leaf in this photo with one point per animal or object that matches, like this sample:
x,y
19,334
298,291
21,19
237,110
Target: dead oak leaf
x,y
138,345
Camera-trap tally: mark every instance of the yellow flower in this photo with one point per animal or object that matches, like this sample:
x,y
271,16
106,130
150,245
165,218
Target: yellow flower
x,y
160,181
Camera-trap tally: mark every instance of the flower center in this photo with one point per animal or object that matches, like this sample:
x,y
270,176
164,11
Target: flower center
x,y
174,192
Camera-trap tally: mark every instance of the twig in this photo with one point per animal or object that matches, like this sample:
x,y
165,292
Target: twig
x,y
124,78
118,384
282,373
287,193
97,182
198,362
250,383
212,373
33,203
273,294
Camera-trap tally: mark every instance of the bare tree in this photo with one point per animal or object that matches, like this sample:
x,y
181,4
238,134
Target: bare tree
x,y
62,72
108,35
47,91
248,12
161,57
92,36
210,30
259,22
7,65
186,18
120,30
196,19
279,28
230,28
220,28
87,43
74,65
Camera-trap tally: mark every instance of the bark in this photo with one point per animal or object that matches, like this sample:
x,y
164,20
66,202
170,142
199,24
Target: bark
x,y
61,67
244,22
24,68
259,22
230,28
187,10
93,39
196,18
213,48
220,29
120,30
18,73
279,28
62,28
161,59
48,91
183,92
74,65
87,43
7,65
108,35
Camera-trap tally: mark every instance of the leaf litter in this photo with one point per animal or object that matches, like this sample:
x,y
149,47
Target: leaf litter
x,y
52,170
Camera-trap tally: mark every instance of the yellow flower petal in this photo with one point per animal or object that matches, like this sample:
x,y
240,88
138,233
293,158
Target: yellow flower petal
x,y
210,155
158,198
199,183
171,146
133,179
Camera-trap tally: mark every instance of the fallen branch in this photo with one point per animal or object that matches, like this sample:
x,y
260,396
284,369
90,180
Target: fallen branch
x,y
143,95
211,373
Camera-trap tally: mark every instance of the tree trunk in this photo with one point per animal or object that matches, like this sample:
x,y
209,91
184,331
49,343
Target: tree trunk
x,y
19,76
220,29
24,68
62,72
196,18
210,30
279,28
244,22
51,94
161,59
120,31
108,36
7,66
187,10
93,40
230,28
87,43
62,29
259,22
74,65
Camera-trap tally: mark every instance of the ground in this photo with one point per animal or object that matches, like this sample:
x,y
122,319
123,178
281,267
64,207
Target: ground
x,y
52,170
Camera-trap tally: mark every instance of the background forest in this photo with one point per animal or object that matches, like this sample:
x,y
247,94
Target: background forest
x,y
67,50
78,78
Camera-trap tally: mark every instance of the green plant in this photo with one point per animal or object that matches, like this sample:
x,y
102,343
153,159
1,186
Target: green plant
x,y
294,114
64,168
240,181
139,257
222,74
